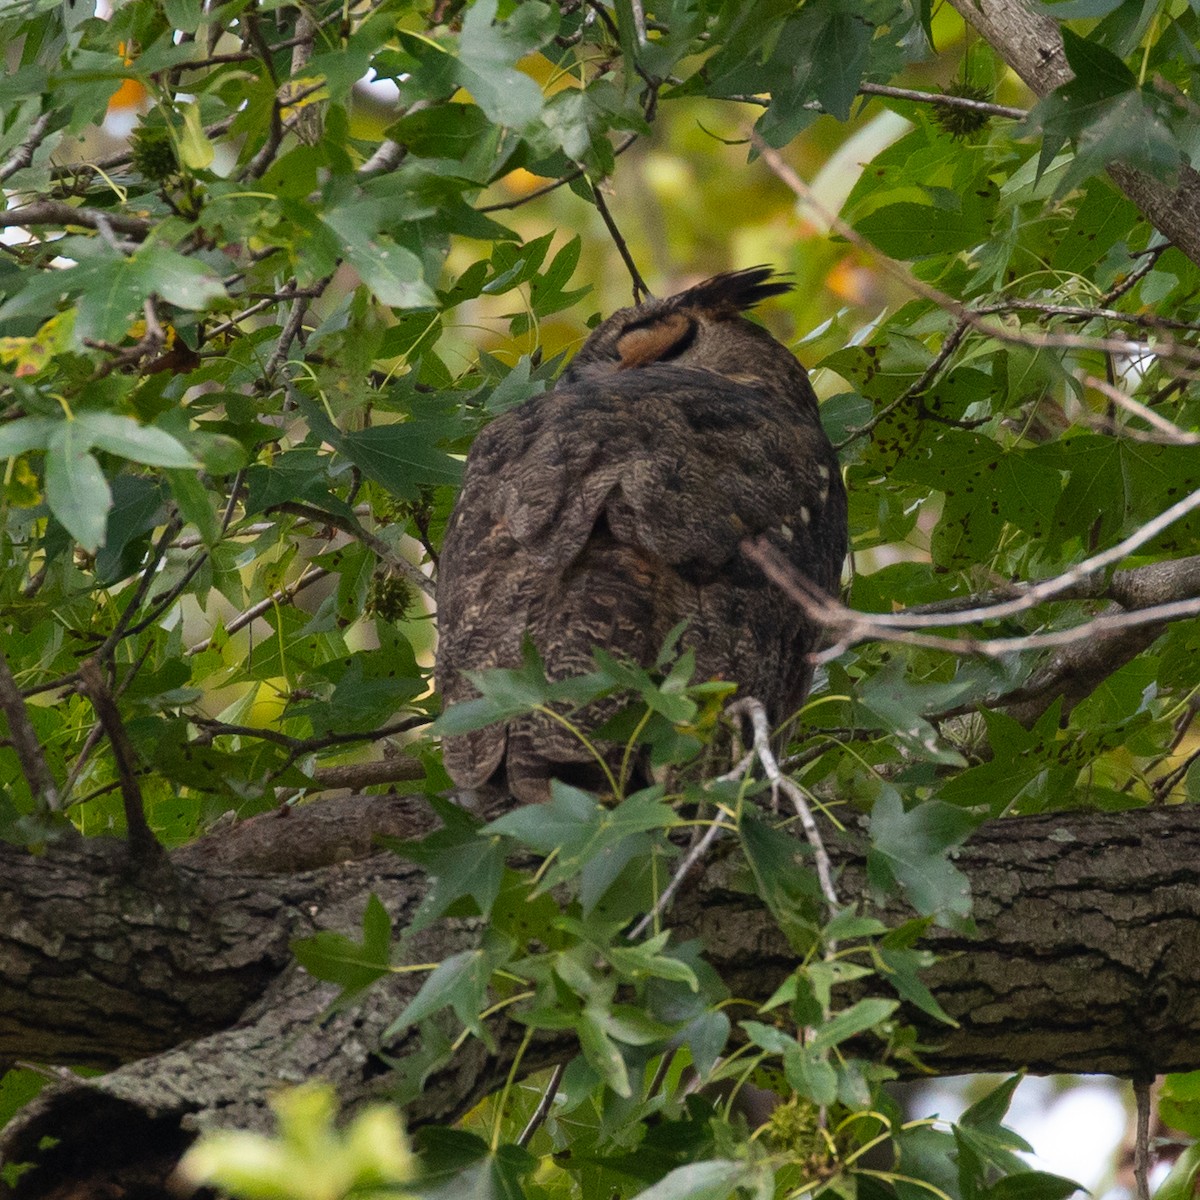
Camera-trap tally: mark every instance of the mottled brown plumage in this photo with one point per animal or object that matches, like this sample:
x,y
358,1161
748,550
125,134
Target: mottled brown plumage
x,y
610,509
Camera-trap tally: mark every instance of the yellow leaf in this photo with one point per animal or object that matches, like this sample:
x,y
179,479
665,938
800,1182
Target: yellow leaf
x,y
310,90
195,150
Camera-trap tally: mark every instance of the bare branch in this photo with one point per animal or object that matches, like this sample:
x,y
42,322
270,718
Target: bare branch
x,y
310,745
283,596
1168,433
1141,1148
942,100
25,741
640,290
757,715
544,1105
849,627
22,156
692,857
58,212
1060,586
142,843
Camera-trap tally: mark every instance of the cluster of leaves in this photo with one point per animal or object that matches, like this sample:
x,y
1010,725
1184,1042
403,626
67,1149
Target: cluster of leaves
x,y
652,1097
239,378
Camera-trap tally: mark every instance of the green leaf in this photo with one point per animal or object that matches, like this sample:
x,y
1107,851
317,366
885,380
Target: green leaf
x,y
196,152
911,231
840,55
713,1180
1035,1185
124,436
987,1113
784,879
901,971
580,829
1108,115
394,275
76,490
459,982
810,1074
899,705
114,290
195,505
506,692
24,434
1179,1102
461,863
1180,1183
911,849
178,279
339,959
136,510
855,1020
641,962
601,1052
488,51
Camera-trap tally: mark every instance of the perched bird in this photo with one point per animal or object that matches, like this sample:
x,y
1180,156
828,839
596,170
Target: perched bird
x,y
610,509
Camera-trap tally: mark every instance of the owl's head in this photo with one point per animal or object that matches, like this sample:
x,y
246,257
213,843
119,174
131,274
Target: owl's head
x,y
702,329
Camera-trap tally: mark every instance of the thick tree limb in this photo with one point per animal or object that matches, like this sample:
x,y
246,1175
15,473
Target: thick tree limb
x,y
1032,45
1089,928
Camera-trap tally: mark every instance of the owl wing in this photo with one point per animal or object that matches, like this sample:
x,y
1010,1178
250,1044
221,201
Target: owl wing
x,y
606,512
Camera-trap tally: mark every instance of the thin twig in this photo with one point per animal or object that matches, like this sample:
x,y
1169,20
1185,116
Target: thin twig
x,y
1164,786
58,212
283,596
753,709
1077,312
949,345
172,527
849,627
693,856
1152,255
22,156
96,732
291,330
25,742
639,20
944,100
640,290
350,525
1141,1145
143,845
544,1105
569,177
309,745
1171,434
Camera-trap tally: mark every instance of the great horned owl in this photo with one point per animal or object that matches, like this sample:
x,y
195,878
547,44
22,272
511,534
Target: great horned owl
x,y
609,510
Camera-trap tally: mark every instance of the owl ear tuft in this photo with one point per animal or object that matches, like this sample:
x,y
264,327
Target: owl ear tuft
x,y
658,340
737,290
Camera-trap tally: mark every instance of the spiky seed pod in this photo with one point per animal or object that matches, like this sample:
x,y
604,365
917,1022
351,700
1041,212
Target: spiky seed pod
x,y
153,154
960,122
388,596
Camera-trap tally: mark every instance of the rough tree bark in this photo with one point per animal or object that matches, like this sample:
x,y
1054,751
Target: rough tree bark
x,y
1031,44
1088,932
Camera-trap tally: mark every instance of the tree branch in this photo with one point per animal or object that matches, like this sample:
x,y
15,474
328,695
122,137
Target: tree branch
x,y
25,741
1088,924
58,212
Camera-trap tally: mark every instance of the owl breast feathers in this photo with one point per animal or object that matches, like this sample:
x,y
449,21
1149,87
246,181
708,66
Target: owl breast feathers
x,y
609,510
